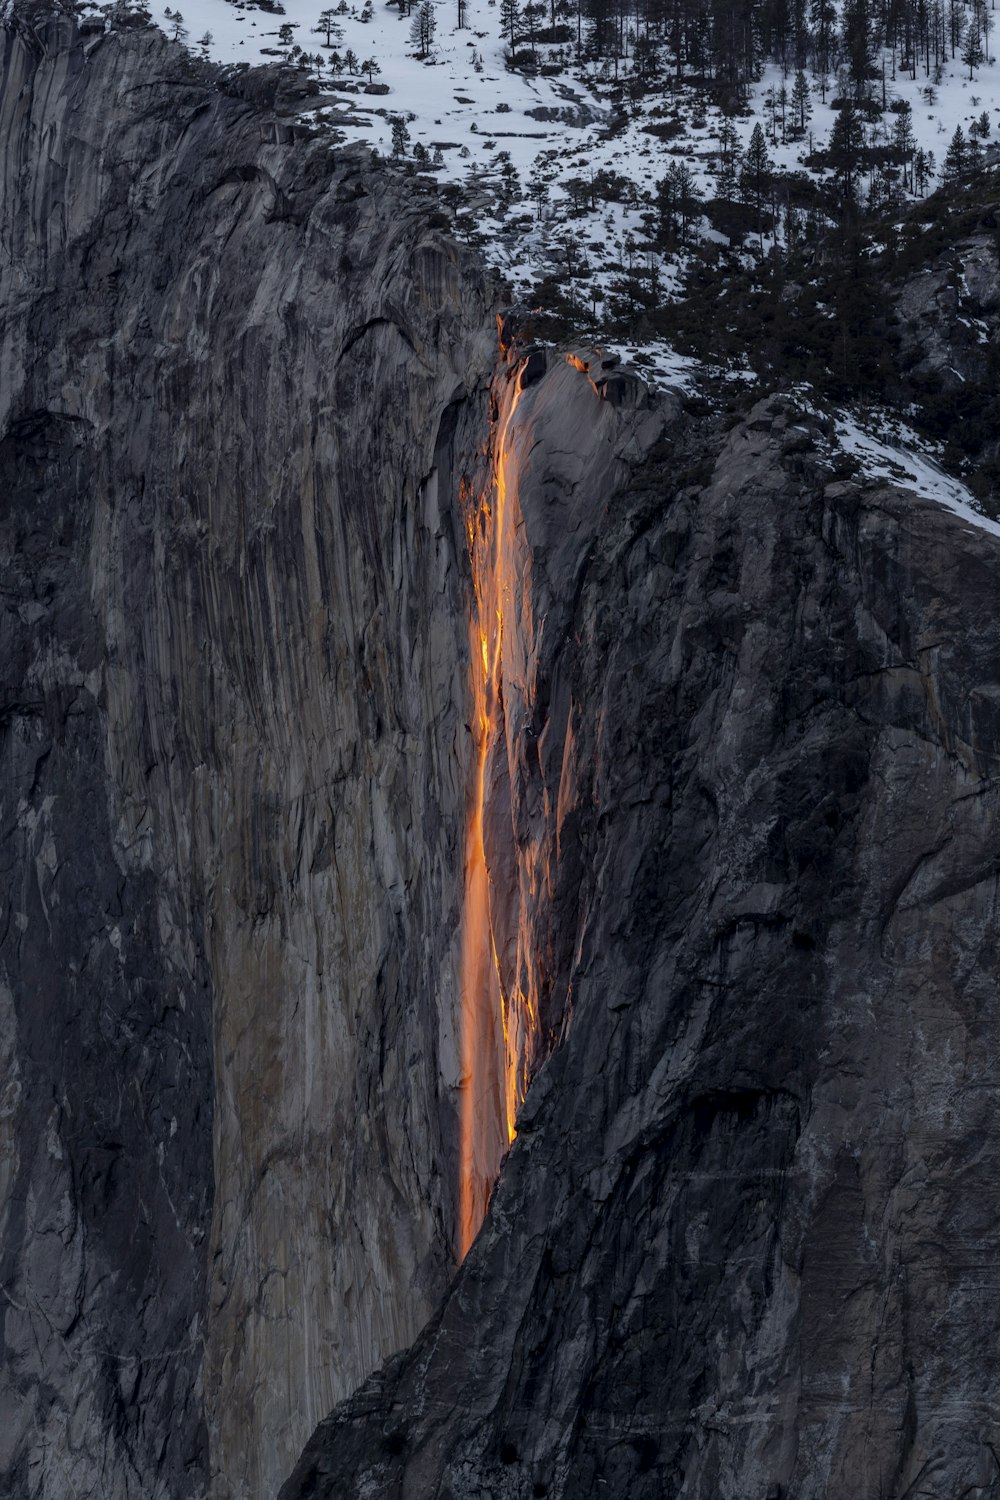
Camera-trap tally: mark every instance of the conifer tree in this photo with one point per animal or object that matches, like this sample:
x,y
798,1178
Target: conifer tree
x,y
510,17
972,51
859,45
801,105
955,157
847,141
422,28
328,26
756,174
904,142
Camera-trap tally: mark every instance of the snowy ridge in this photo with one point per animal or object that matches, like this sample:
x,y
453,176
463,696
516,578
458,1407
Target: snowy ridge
x,y
559,163
466,102
908,464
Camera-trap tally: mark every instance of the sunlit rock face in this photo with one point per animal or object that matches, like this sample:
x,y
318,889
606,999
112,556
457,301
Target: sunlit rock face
x,y
740,1245
235,379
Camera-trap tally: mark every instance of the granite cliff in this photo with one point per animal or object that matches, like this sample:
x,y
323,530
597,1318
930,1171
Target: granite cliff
x,y
235,768
330,621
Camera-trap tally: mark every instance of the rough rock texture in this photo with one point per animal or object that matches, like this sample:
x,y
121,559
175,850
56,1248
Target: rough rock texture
x,y
234,704
740,827
744,1245
948,314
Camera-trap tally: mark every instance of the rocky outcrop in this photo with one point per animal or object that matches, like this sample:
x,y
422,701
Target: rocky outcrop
x,y
741,1245
235,684
947,311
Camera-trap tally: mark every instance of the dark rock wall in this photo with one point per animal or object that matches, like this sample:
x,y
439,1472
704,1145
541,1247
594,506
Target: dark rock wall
x,y
236,377
743,1244
742,817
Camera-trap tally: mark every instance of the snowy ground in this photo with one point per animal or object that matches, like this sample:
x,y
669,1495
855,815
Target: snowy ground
x,y
908,462
472,116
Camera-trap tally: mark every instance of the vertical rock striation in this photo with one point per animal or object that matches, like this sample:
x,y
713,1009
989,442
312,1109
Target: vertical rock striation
x,y
737,739
742,1244
235,374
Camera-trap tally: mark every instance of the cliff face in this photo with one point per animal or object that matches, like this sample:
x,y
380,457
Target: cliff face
x,y
741,1245
235,696
385,722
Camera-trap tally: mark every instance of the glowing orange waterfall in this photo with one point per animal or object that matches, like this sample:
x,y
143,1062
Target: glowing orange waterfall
x,y
493,1030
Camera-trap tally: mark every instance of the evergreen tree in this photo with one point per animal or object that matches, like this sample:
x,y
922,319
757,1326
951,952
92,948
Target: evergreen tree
x,y
801,104
510,18
847,142
538,186
678,201
904,142
727,179
400,136
955,157
327,26
533,13
422,28
859,40
823,14
972,51
756,174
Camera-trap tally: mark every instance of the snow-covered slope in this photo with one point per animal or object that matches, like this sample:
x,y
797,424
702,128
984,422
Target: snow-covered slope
x,y
502,133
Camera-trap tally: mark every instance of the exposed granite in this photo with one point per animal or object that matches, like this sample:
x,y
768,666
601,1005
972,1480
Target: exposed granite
x,y
235,665
741,830
744,1244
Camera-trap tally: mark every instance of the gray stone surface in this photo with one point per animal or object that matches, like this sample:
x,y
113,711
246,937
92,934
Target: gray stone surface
x,y
745,1243
741,830
235,664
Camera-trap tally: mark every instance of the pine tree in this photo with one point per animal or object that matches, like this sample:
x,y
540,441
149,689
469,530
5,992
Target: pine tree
x,y
955,157
510,18
972,51
538,187
400,136
859,35
327,26
801,105
904,142
756,174
847,141
422,28
823,14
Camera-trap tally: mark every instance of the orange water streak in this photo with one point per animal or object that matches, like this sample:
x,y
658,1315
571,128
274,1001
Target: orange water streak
x,y
490,1086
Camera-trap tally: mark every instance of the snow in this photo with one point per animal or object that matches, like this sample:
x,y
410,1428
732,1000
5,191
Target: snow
x,y
464,103
445,99
909,464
